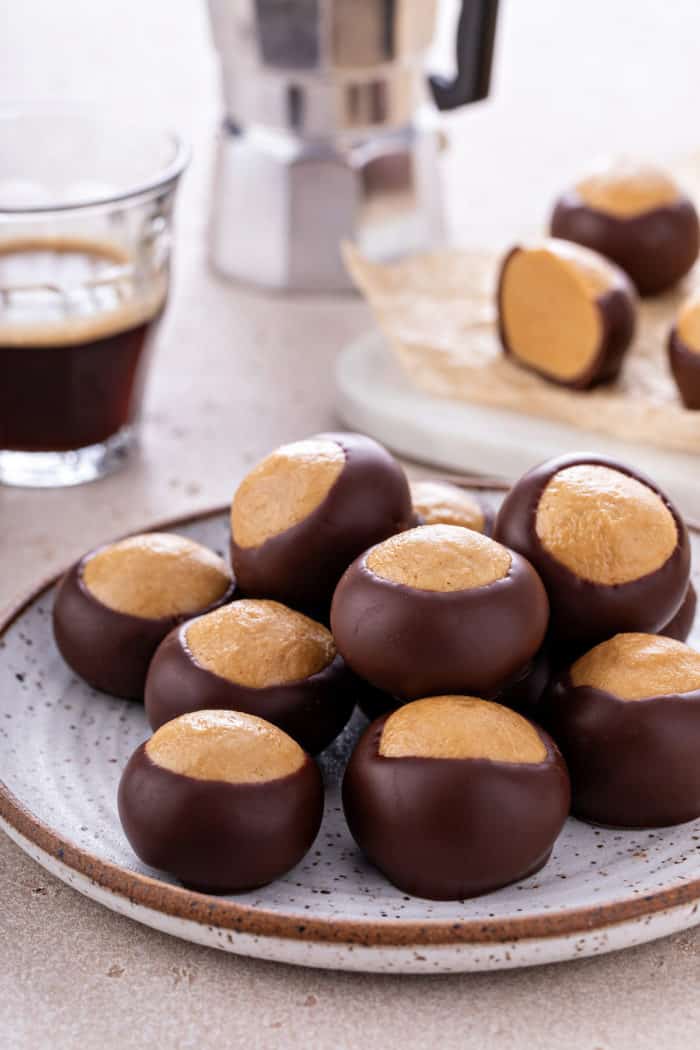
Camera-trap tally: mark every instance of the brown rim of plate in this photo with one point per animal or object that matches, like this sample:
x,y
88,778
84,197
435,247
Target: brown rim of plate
x,y
202,908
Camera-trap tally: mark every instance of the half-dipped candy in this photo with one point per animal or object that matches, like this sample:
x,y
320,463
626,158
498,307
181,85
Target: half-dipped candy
x,y
684,353
260,657
637,216
307,510
439,609
565,313
224,801
610,547
115,606
680,626
442,503
526,693
453,796
626,716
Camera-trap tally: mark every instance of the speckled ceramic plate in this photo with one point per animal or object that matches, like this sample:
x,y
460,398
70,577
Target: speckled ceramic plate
x,y
63,746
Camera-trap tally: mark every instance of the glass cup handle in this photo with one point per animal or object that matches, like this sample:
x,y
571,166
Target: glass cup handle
x,y
476,32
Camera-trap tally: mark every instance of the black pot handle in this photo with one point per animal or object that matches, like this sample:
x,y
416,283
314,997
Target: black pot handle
x,y
476,32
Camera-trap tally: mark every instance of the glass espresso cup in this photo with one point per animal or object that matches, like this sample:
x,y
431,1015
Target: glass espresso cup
x,y
85,233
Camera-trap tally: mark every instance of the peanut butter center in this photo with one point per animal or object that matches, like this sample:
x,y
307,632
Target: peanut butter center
x,y
440,503
439,558
638,666
549,306
603,525
259,643
226,746
284,489
627,189
460,727
155,575
688,324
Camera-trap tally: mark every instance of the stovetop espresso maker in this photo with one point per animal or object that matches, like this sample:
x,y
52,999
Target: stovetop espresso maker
x,y
330,133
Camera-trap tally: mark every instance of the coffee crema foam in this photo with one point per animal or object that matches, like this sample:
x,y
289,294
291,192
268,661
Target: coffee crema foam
x,y
67,291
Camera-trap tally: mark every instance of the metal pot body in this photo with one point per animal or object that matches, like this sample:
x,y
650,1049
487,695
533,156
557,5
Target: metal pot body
x,y
320,68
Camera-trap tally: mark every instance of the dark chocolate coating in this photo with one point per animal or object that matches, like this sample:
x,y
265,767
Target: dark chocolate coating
x,y
110,650
374,703
447,829
618,316
368,502
585,613
685,368
633,763
682,623
414,643
526,693
655,248
214,836
488,512
312,710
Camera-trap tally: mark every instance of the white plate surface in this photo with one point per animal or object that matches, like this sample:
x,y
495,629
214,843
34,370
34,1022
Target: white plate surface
x,y
63,746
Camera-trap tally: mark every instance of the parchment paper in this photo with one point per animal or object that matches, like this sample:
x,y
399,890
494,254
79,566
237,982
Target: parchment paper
x,y
437,312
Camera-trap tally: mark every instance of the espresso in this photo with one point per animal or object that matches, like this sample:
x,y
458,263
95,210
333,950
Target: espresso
x,y
75,325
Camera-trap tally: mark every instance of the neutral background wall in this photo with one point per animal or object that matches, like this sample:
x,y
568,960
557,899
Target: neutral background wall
x,y
238,372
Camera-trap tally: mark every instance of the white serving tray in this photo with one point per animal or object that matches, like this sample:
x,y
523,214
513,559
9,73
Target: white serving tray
x,y
374,396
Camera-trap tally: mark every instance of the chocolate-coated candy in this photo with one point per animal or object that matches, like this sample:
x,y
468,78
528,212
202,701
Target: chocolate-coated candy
x,y
111,648
444,503
638,218
685,368
525,694
332,497
602,517
680,626
633,758
565,313
684,353
452,827
311,703
185,811
411,640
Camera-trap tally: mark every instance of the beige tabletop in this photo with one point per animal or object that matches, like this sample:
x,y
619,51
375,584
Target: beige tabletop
x,y
237,372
